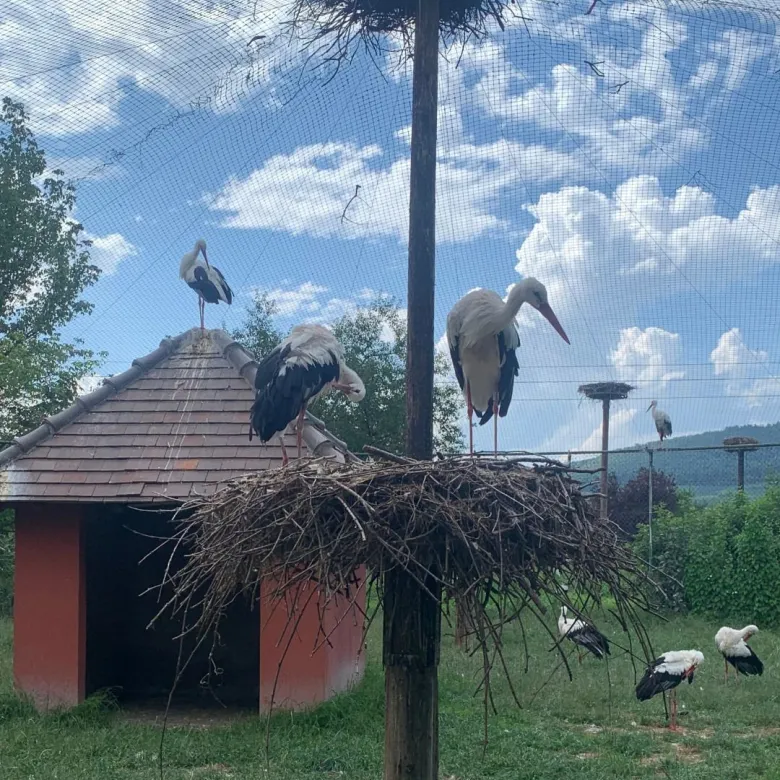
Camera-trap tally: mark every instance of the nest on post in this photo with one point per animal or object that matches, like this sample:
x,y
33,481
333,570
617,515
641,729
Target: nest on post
x,y
602,391
505,537
744,443
338,24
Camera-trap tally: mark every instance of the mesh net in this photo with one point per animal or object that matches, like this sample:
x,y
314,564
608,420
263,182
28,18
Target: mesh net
x,y
622,153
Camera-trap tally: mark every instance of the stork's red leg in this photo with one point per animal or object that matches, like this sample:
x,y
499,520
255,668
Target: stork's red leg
x,y
299,429
202,310
470,410
726,667
285,459
673,724
495,423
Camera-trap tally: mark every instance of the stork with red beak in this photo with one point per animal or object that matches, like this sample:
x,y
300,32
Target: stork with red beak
x,y
482,338
665,673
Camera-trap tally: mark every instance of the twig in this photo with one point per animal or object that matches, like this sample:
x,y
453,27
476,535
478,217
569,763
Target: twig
x,y
344,213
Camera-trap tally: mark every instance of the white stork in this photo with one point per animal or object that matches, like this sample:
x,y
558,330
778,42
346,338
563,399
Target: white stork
x,y
482,338
204,278
665,673
732,643
583,635
308,362
663,423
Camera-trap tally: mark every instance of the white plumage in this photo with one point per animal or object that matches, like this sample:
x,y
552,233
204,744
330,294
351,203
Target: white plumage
x,y
308,362
666,672
482,338
582,634
207,280
663,423
732,644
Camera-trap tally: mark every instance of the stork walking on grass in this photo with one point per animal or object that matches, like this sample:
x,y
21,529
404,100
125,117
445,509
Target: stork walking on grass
x,y
308,362
665,673
732,643
583,634
663,423
204,278
482,338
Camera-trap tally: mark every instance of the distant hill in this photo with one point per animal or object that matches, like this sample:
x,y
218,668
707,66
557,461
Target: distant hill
x,y
708,473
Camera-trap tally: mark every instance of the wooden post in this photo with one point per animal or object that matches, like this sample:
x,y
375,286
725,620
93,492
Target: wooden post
x,y
650,509
412,615
741,471
604,457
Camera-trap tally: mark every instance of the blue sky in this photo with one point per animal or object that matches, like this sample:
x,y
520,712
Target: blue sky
x,y
651,210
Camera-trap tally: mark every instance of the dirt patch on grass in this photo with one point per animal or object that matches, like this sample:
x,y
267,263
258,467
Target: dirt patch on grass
x,y
687,754
587,756
183,717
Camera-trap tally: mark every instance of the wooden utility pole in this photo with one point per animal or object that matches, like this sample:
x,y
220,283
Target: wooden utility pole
x,y
412,613
604,484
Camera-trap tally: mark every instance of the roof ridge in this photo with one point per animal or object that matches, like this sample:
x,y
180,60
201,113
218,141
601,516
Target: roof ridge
x,y
110,386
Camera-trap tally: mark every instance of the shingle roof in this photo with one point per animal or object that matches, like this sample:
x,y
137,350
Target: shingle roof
x,y
174,424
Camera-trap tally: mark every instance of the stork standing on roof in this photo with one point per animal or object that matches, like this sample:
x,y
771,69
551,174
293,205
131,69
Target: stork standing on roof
x,y
308,362
204,278
663,423
665,673
732,643
482,338
583,634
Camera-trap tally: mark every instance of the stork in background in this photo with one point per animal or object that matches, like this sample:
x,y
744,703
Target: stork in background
x,y
204,278
583,635
665,673
308,362
732,643
482,338
663,423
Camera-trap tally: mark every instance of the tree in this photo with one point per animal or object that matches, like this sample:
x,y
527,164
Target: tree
x,y
628,504
44,269
374,341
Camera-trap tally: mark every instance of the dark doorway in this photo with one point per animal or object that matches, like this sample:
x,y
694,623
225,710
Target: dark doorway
x,y
139,664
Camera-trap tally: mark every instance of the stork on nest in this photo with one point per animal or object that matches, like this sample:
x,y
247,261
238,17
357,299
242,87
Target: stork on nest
x,y
501,535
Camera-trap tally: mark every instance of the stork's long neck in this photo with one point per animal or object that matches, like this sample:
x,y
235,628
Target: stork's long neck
x,y
505,316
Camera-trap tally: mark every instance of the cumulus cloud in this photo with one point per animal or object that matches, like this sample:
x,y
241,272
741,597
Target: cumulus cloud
x,y
620,431
648,356
307,190
310,302
108,251
596,250
177,49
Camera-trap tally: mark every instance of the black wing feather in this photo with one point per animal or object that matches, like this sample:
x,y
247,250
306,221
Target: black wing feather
x,y
510,368
281,396
654,682
456,364
591,639
747,664
228,293
204,286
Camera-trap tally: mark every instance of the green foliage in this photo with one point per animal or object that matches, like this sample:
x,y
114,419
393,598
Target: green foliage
x,y
722,561
44,269
374,341
6,563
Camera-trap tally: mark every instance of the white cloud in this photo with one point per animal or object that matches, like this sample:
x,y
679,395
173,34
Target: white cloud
x,y
647,356
107,252
733,360
308,190
89,383
71,63
310,302
740,49
585,243
620,431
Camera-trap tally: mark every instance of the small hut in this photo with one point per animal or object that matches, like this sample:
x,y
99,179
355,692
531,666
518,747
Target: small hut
x,y
171,427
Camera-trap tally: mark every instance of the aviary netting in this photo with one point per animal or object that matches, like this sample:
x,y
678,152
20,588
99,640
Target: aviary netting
x,y
335,25
504,537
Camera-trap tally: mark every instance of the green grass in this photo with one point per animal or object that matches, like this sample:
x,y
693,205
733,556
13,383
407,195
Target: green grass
x,y
573,729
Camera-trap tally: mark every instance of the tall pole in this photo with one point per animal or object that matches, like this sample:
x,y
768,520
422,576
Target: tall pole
x,y
650,509
604,458
741,471
412,614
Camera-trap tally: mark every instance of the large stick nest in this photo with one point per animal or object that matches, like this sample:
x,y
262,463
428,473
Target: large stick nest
x,y
601,391
340,23
500,537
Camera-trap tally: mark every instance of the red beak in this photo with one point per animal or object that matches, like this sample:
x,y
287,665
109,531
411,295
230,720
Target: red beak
x,y
205,257
547,312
